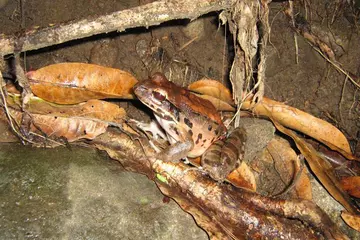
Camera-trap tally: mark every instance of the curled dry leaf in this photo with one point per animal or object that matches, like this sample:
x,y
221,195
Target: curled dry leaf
x,y
243,177
303,122
212,88
91,110
352,220
219,104
73,122
287,165
70,83
352,185
62,127
70,128
322,169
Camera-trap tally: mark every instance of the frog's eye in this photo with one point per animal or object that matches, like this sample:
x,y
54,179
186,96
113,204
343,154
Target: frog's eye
x,y
158,96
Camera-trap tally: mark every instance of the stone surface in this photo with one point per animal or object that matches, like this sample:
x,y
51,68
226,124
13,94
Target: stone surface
x,y
259,133
79,194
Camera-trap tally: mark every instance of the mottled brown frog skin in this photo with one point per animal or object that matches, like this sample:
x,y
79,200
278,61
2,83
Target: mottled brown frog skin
x,y
224,155
191,123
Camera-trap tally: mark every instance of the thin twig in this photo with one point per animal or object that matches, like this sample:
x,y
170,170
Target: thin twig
x,y
341,99
188,43
291,13
335,65
7,112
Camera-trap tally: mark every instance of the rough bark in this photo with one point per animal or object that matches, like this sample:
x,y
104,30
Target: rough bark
x,y
223,211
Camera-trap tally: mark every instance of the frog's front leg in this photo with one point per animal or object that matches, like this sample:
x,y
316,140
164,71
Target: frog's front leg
x,y
152,127
178,149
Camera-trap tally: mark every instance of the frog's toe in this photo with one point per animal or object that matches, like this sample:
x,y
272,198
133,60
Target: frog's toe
x,y
186,161
153,146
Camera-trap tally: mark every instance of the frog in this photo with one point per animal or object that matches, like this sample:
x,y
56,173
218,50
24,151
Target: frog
x,y
191,123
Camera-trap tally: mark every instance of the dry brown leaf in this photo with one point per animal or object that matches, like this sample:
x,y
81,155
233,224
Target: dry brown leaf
x,y
301,121
352,220
243,177
70,83
287,165
322,169
351,185
92,109
212,88
72,129
303,186
219,104
11,88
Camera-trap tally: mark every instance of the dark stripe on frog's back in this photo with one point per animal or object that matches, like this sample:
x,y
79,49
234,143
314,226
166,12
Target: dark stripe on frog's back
x,y
200,106
188,122
194,121
199,126
186,101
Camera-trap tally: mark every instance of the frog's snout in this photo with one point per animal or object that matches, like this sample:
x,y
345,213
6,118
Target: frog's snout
x,y
139,89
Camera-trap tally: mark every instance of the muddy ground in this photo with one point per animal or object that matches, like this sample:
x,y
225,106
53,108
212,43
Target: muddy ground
x,y
312,84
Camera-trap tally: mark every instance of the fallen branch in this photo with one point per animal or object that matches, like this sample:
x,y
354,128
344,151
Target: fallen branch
x,y
145,15
222,210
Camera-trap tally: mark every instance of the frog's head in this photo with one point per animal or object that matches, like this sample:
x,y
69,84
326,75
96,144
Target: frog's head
x,y
156,93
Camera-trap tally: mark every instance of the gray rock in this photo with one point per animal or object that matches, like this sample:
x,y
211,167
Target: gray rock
x,y
78,194
259,133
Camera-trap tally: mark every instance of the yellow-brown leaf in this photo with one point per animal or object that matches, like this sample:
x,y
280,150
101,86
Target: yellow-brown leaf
x,y
303,122
219,104
322,169
287,165
212,88
243,177
352,220
70,83
70,128
91,110
352,185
